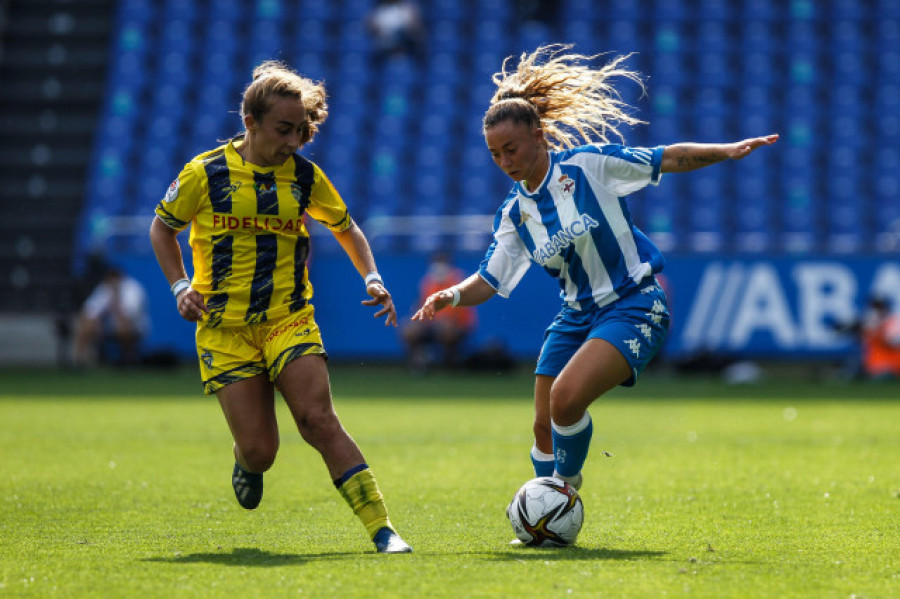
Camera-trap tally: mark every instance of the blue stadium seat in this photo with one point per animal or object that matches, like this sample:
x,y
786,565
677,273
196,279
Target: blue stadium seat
x,y
764,10
758,36
494,9
712,37
448,36
714,10
622,37
491,35
448,9
587,10
137,10
753,215
885,212
668,69
887,10
583,34
847,10
353,36
315,9
665,11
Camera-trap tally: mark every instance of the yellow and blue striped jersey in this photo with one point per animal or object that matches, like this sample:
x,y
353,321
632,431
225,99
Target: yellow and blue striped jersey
x,y
247,237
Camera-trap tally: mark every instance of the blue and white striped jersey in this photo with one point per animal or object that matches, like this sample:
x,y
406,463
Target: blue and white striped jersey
x,y
577,227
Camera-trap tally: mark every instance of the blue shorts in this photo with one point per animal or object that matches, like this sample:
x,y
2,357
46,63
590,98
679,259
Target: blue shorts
x,y
636,325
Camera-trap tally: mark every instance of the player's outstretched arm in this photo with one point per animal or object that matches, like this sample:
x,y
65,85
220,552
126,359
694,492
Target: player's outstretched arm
x,y
471,292
684,157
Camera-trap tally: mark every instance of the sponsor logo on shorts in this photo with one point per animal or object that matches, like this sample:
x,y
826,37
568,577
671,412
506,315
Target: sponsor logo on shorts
x,y
289,327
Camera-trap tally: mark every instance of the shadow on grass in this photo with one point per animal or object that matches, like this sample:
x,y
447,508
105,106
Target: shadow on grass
x,y
252,557
573,554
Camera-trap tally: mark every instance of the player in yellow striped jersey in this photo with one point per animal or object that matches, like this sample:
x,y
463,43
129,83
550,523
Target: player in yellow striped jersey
x,y
250,293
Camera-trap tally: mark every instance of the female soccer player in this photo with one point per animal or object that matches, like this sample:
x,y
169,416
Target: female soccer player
x,y
250,294
566,212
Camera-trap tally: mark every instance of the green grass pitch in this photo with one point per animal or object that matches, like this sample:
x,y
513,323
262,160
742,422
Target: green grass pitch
x,y
117,485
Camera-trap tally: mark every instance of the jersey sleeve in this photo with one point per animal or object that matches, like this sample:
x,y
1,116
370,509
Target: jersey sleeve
x,y
326,205
624,170
507,259
181,202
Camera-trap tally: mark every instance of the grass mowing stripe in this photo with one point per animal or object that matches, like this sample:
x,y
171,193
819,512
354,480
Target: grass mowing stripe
x,y
758,491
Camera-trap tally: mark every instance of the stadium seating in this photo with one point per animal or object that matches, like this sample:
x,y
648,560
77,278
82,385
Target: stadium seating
x,y
404,138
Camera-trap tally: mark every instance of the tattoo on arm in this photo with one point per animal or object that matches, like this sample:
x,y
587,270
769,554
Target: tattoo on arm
x,y
692,157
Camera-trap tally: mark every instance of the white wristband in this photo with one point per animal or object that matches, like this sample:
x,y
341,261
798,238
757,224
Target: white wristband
x,y
455,291
179,286
373,277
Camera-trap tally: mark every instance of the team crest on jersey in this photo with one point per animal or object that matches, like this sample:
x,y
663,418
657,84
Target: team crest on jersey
x,y
566,186
297,192
172,192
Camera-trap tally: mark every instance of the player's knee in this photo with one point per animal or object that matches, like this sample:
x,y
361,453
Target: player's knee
x,y
565,404
319,426
259,456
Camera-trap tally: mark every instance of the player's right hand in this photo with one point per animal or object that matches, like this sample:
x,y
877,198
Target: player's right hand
x,y
191,305
435,303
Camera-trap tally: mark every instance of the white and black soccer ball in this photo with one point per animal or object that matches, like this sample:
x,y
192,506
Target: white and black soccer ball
x,y
546,512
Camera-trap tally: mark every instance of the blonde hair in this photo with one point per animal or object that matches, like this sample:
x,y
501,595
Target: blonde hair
x,y
573,103
273,79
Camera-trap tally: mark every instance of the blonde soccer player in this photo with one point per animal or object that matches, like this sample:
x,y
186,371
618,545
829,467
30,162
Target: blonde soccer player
x,y
250,294
549,128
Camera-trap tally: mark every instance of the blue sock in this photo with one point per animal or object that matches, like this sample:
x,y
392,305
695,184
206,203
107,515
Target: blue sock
x,y
570,445
543,462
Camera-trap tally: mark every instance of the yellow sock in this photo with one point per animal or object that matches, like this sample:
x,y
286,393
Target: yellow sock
x,y
361,493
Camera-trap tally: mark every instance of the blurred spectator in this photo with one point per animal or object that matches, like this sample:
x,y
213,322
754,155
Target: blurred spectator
x,y
397,28
880,335
449,328
114,314
878,331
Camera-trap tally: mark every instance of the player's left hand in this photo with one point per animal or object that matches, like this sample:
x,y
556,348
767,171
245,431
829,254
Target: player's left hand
x,y
742,148
381,296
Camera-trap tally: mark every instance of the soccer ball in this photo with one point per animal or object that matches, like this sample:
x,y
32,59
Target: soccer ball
x,y
546,512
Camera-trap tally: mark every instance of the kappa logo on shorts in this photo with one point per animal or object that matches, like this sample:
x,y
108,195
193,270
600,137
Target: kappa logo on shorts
x,y
635,346
646,330
207,358
656,318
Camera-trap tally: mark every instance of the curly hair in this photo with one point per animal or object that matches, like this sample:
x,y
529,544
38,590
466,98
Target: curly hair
x,y
572,102
273,79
